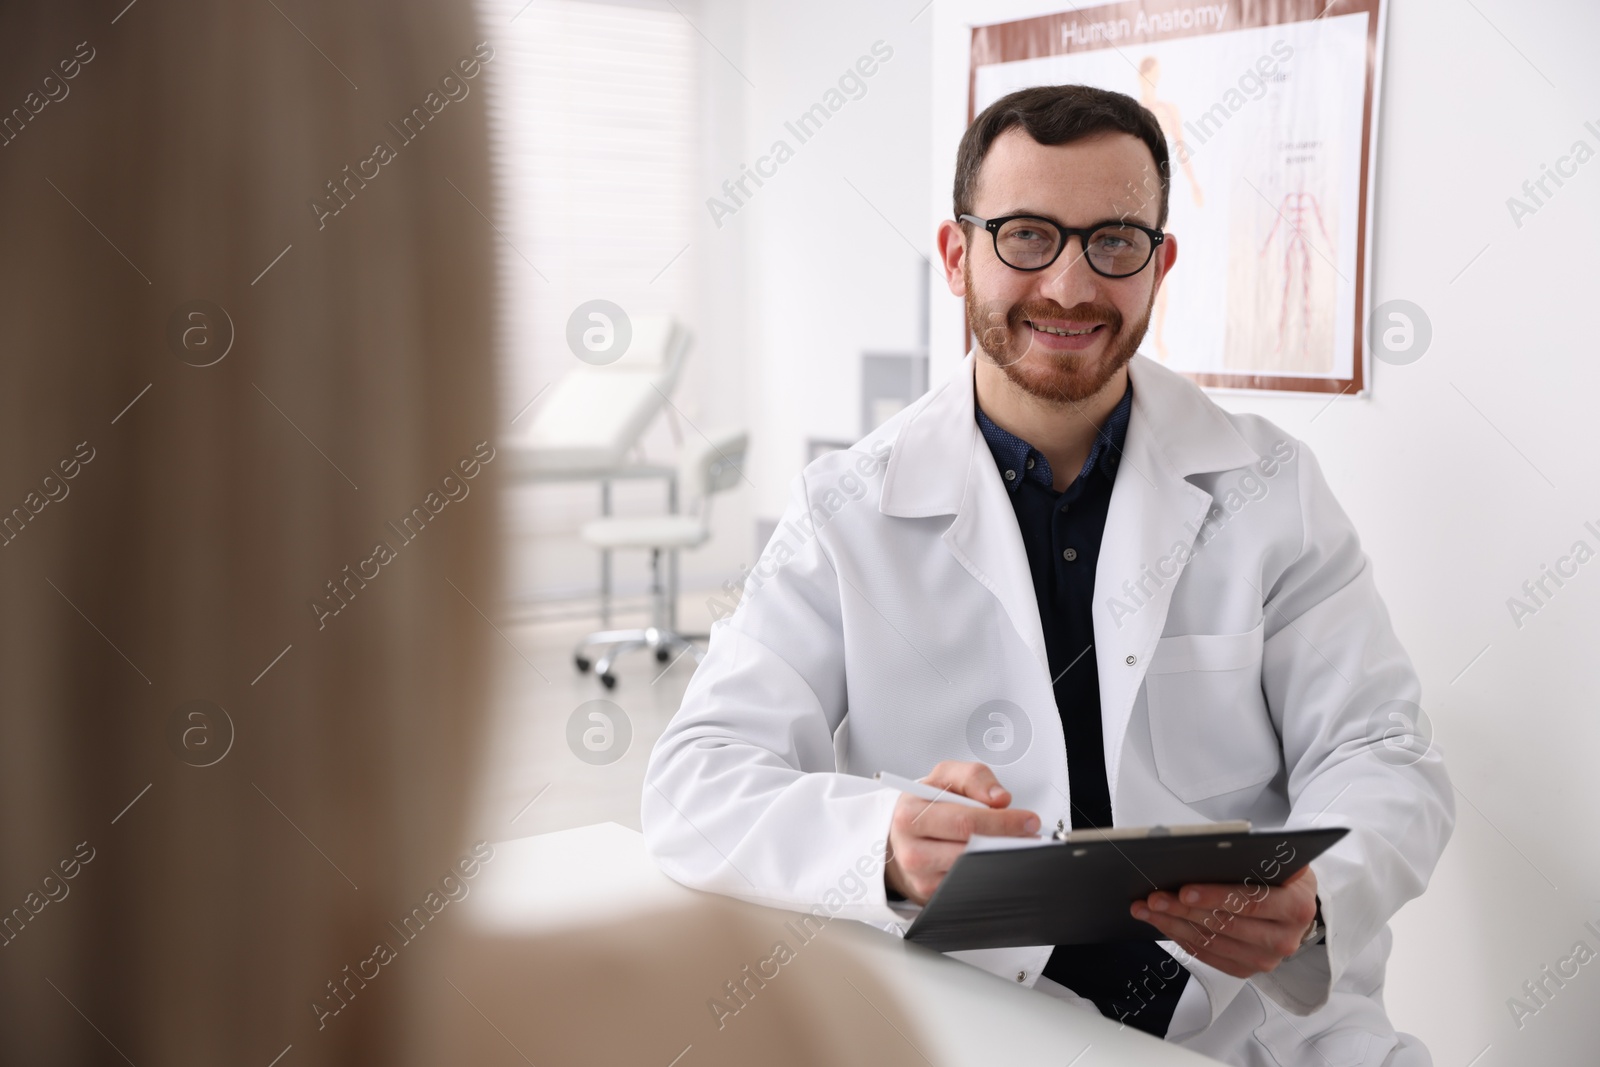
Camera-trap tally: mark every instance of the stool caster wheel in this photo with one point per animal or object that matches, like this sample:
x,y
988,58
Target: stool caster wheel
x,y
581,663
608,680
661,655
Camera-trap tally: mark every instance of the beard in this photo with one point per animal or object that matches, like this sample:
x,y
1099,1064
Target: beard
x,y
1004,336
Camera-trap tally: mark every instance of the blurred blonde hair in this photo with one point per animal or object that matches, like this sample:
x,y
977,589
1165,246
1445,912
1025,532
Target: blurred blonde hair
x,y
180,164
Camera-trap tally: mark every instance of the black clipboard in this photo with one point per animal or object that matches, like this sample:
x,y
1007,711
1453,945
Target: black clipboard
x,y
1076,890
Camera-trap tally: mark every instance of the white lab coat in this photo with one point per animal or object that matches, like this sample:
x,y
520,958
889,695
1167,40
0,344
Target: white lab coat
x,y
1243,655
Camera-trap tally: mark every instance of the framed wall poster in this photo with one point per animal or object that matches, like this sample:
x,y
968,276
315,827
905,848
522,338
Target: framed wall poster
x,y
1270,108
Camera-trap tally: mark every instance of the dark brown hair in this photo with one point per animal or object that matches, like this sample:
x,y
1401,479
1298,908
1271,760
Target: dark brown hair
x,y
1059,114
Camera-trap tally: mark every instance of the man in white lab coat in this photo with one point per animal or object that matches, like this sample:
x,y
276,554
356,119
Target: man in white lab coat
x,y
1069,585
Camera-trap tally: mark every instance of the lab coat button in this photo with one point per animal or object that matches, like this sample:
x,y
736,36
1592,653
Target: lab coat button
x,y
1132,660
1021,975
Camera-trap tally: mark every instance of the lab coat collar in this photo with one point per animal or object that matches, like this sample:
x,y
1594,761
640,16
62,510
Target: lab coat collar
x,y
931,467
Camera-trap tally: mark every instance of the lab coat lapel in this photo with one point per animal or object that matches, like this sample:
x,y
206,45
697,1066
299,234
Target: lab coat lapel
x,y
1154,518
941,465
987,541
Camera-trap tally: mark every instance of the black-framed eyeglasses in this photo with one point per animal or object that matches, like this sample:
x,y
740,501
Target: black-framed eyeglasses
x,y
1113,249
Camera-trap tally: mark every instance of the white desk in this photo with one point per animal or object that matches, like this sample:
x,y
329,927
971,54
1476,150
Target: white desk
x,y
599,877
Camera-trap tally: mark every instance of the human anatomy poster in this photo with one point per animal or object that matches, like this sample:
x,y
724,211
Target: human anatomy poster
x,y
1270,111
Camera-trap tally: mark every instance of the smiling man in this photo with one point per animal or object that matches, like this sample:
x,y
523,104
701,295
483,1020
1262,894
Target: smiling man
x,y
1053,599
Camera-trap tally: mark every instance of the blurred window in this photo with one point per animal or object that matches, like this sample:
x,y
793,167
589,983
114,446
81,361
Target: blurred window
x,y
593,125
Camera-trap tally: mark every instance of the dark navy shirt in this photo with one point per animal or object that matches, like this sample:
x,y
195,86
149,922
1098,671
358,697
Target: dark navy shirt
x,y
1131,981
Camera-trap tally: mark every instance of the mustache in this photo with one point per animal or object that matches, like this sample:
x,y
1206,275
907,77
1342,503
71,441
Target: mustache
x,y
1049,309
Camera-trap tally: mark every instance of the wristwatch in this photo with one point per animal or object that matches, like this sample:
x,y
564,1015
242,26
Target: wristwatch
x,y
1316,933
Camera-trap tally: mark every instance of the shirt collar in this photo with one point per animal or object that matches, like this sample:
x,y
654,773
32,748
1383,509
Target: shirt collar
x,y
1019,461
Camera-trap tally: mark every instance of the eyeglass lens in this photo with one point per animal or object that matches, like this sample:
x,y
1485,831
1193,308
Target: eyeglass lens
x,y
1113,249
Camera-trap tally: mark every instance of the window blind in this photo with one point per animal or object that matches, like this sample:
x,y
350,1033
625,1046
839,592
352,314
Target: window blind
x,y
592,120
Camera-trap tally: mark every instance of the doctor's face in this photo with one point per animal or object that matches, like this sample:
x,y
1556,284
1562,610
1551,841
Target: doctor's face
x,y
1061,333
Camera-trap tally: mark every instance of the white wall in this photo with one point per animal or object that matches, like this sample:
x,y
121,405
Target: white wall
x,y
1450,500
796,284
830,249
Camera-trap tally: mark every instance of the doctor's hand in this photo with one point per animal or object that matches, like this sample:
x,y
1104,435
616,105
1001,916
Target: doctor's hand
x,y
925,836
1237,929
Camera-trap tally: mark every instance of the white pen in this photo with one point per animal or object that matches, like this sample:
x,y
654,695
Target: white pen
x,y
926,791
